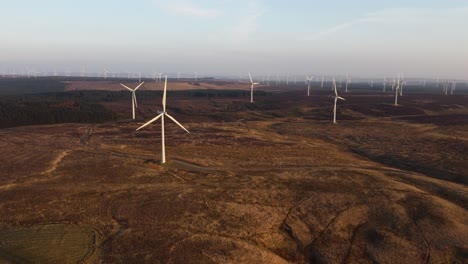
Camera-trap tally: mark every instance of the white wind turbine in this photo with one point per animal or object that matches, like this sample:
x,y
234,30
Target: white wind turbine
x,y
105,73
336,100
252,84
134,100
384,83
309,81
452,89
348,81
162,115
402,83
397,90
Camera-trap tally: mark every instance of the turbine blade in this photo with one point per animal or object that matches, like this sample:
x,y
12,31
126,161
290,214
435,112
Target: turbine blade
x,y
334,85
127,87
175,121
250,78
149,122
341,98
139,86
164,95
134,99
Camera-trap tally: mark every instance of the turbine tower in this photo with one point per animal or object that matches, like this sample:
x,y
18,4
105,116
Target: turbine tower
x,y
134,100
252,84
162,115
336,101
309,81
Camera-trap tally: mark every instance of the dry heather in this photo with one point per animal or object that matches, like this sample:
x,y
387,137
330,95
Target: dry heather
x,y
264,189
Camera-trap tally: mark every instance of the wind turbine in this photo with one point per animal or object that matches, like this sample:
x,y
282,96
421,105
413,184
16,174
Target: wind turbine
x,y
401,86
452,89
322,81
162,115
134,100
348,81
396,91
309,80
384,83
268,80
105,73
336,100
252,84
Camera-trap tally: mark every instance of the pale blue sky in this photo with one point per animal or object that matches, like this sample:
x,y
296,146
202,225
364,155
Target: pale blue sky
x,y
365,38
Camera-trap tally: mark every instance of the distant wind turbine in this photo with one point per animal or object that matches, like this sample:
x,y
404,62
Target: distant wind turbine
x,y
105,73
162,115
134,100
402,84
336,101
452,89
252,84
348,81
309,81
384,83
397,90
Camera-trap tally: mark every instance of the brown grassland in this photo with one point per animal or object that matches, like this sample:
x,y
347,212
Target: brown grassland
x,y
269,182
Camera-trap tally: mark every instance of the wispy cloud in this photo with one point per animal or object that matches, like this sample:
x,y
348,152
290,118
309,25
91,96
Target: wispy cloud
x,y
400,16
188,8
247,24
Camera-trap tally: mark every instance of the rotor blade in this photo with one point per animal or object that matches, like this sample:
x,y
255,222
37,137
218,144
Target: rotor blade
x,y
139,86
341,98
127,87
250,78
134,99
334,85
175,121
164,95
151,121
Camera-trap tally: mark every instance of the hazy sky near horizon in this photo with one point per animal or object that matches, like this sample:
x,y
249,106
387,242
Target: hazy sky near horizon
x,y
420,38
